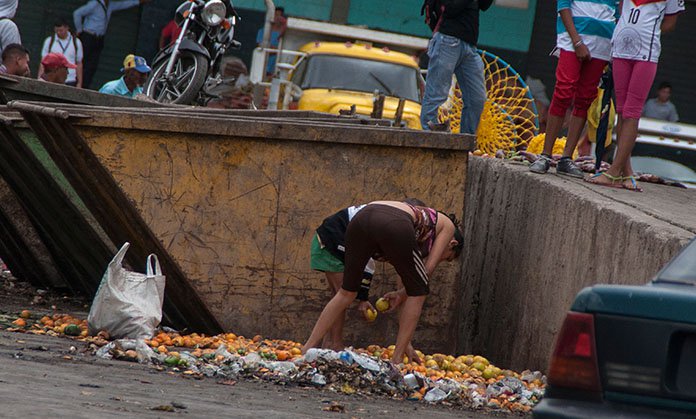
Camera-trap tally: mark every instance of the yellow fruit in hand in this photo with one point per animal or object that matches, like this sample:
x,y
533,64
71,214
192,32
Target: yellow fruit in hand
x,y
382,304
370,315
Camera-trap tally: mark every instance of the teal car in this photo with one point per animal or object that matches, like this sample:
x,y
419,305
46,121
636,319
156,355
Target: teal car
x,y
628,351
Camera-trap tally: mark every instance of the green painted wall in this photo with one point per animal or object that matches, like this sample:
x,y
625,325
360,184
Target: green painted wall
x,y
501,27
310,9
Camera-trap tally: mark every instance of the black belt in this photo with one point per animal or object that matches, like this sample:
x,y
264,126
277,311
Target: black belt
x,y
93,34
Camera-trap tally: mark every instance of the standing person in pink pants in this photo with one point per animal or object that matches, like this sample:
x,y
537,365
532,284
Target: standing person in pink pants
x,y
635,52
585,28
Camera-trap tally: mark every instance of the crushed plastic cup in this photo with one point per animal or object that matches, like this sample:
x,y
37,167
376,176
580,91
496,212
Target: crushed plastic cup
x,y
435,395
411,381
282,367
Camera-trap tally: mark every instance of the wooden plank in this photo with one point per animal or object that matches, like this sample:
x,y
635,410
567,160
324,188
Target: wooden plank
x,y
113,211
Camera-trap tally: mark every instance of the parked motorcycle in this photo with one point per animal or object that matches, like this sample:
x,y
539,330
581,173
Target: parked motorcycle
x,y
185,71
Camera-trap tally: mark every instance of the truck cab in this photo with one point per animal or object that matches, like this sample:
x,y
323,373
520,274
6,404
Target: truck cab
x,y
334,76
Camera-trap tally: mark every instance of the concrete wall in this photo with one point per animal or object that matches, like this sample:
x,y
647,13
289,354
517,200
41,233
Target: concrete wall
x,y
534,241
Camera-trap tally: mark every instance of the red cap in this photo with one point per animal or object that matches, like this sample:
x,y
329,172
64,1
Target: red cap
x,y
56,60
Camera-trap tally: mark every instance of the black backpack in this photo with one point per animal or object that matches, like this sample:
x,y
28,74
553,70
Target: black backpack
x,y
432,10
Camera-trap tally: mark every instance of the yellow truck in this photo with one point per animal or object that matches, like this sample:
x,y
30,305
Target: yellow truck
x,y
329,68
334,76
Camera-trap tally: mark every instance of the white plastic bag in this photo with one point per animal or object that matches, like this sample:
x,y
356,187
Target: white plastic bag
x,y
128,304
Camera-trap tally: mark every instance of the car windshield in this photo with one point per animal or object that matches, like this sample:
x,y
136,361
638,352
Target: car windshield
x,y
349,73
682,268
673,163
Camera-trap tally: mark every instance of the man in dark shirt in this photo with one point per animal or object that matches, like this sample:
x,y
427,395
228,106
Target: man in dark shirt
x,y
452,50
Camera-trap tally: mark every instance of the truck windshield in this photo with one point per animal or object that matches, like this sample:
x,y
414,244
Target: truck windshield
x,y
682,269
349,73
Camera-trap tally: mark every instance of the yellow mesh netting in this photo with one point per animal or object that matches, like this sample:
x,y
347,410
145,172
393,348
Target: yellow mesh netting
x,y
509,119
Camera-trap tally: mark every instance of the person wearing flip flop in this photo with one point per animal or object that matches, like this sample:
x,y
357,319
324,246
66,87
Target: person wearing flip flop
x,y
328,255
583,44
635,50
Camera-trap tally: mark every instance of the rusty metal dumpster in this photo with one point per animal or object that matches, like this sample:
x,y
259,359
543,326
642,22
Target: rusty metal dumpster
x,y
231,201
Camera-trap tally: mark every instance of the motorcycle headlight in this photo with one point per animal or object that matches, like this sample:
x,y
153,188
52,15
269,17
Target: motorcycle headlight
x,y
214,12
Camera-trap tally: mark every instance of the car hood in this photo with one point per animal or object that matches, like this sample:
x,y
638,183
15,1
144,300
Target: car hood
x,y
660,301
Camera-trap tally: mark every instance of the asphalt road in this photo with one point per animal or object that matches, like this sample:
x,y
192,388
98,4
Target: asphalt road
x,y
41,377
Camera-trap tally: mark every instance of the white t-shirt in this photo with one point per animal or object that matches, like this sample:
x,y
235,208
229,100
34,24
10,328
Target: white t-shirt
x,y
67,48
637,35
8,8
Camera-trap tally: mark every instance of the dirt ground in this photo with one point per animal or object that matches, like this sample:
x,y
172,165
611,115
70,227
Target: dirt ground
x,y
43,376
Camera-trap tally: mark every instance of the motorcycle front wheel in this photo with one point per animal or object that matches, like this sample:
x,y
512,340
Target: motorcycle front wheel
x,y
184,83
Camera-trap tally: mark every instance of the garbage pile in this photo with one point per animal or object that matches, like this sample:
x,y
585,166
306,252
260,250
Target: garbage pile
x,y
464,381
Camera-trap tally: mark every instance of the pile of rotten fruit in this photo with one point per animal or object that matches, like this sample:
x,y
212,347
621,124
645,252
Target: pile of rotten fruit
x,y
466,381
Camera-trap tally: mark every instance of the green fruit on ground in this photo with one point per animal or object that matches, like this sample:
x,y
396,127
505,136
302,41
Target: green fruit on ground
x,y
482,360
72,330
171,361
382,304
489,373
478,366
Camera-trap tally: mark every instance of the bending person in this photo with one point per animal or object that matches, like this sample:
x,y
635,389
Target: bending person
x,y
403,235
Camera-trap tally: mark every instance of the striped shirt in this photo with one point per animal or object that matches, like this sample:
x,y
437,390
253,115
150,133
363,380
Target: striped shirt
x,y
594,20
637,35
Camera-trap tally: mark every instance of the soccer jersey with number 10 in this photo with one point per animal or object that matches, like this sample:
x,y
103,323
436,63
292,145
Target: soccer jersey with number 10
x,y
637,35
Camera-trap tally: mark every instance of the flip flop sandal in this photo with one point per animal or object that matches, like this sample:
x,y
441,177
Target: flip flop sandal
x,y
634,185
614,179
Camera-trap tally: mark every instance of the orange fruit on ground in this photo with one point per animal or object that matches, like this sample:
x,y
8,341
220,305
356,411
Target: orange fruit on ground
x,y
283,355
20,322
296,351
25,314
162,349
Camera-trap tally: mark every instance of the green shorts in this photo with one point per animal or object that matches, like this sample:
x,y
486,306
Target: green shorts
x,y
322,260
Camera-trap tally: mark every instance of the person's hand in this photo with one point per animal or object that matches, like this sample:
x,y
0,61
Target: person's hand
x,y
363,307
412,355
583,53
395,299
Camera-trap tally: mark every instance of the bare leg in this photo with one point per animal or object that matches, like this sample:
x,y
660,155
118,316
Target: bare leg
x,y
575,127
408,319
334,338
553,127
336,307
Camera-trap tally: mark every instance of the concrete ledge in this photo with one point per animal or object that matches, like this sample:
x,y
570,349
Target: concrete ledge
x,y
534,241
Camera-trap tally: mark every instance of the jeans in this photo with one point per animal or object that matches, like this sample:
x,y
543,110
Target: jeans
x,y
450,55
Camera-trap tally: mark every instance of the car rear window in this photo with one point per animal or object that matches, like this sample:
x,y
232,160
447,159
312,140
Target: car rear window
x,y
682,268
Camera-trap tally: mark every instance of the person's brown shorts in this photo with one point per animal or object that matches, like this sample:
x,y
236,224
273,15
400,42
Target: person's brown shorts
x,y
388,232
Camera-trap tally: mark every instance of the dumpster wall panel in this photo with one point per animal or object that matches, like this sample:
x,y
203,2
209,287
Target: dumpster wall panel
x,y
238,215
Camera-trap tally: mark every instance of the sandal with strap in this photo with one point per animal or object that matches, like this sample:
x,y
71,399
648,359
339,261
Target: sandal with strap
x,y
634,185
616,181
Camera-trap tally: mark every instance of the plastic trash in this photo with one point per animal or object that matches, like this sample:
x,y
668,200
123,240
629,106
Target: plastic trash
x,y
366,362
319,379
435,395
325,354
282,367
411,381
347,357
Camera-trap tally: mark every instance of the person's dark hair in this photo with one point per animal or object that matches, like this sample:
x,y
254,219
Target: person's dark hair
x,y
61,21
14,51
458,236
414,201
282,10
665,84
